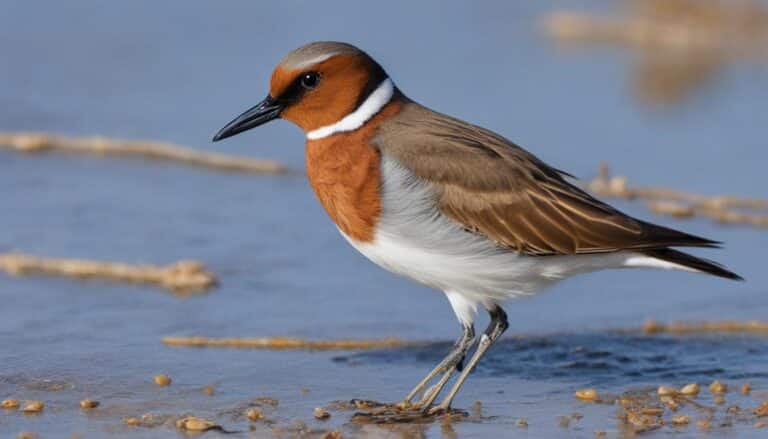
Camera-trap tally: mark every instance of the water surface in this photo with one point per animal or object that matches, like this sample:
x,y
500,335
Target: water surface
x,y
177,71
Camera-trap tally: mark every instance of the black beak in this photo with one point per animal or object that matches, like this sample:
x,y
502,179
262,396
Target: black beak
x,y
262,113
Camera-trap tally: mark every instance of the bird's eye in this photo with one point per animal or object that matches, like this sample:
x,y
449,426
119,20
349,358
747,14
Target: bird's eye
x,y
310,80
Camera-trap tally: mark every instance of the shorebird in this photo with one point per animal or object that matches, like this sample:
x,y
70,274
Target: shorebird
x,y
446,203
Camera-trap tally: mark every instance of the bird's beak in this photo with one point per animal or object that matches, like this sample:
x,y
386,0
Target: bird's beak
x,y
262,113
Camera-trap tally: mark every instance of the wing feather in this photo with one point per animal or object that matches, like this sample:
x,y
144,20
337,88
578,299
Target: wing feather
x,y
491,186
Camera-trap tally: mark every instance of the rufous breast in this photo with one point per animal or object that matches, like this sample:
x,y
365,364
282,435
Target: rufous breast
x,y
344,170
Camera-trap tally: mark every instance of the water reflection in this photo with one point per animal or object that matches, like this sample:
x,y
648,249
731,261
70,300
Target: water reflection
x,y
679,45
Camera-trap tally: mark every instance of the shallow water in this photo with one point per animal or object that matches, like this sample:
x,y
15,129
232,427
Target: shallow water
x,y
178,71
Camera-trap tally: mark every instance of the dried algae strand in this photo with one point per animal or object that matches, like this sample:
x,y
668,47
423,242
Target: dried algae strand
x,y
40,142
654,327
682,25
678,45
180,277
681,204
285,343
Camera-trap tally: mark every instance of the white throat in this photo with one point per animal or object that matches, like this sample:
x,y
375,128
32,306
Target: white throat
x,y
354,120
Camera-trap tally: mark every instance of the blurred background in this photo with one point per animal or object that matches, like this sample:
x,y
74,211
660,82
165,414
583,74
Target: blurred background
x,y
575,82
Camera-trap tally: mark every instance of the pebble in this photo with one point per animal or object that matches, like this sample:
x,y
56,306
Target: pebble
x,y
681,420
666,391
587,394
690,389
192,423
10,404
132,420
762,409
522,423
33,407
321,413
652,411
746,388
162,380
27,435
254,414
718,387
89,404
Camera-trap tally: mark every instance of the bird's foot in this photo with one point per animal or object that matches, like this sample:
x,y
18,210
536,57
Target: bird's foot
x,y
401,412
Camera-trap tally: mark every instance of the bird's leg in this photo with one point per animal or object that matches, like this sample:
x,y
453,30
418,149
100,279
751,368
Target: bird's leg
x,y
447,365
497,327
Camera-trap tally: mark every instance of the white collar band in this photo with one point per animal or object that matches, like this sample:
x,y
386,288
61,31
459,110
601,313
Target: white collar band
x,y
354,120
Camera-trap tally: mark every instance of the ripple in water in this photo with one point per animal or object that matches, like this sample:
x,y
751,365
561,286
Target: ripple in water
x,y
604,358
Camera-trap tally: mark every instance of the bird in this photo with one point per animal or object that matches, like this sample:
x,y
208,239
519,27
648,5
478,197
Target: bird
x,y
449,204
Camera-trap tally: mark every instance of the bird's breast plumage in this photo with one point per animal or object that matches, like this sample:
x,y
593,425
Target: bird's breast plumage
x,y
344,170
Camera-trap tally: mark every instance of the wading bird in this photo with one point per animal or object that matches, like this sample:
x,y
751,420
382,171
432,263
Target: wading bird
x,y
446,203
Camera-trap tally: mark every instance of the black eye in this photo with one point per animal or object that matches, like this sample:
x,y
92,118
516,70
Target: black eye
x,y
310,80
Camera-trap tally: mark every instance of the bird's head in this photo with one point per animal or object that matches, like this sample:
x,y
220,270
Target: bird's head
x,y
320,87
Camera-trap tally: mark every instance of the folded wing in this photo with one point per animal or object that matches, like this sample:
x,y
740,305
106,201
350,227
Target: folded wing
x,y
493,187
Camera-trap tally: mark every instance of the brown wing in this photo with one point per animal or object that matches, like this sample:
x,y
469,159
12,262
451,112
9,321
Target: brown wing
x,y
492,186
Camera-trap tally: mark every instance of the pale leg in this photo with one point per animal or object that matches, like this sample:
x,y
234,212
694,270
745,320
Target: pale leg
x,y
446,366
497,327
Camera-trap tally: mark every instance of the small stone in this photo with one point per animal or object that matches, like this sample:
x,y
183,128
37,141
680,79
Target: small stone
x,y
27,435
10,404
718,387
33,407
600,433
522,423
762,409
321,414
690,389
667,391
334,434
254,414
761,424
162,380
652,411
587,395
304,391
703,424
681,420
89,404
746,388
192,423
132,420
670,402
208,390
564,421
719,399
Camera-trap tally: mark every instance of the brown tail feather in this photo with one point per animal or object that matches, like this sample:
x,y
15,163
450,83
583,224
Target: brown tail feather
x,y
690,261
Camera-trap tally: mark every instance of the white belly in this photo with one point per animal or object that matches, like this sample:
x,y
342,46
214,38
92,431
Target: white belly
x,y
414,239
